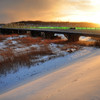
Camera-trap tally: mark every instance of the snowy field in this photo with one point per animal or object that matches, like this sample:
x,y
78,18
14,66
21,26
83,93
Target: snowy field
x,y
62,71
73,77
23,57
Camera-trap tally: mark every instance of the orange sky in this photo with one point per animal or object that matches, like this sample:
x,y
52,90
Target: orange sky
x,y
50,10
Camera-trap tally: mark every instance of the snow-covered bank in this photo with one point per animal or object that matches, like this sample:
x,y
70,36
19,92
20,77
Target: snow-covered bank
x,y
80,80
26,74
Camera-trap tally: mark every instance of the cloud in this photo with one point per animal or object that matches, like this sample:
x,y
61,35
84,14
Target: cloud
x,y
14,10
27,9
81,5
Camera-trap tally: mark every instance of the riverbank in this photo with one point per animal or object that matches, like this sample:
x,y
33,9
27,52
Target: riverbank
x,y
79,80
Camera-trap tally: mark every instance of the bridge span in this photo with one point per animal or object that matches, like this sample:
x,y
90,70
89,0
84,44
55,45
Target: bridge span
x,y
72,34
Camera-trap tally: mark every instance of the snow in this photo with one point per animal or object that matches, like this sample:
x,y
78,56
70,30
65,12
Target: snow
x,y
35,46
19,76
21,36
14,42
56,50
71,50
72,76
75,74
84,38
22,49
60,35
2,45
16,37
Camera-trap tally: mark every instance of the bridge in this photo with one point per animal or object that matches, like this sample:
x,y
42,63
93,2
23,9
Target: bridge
x,y
72,33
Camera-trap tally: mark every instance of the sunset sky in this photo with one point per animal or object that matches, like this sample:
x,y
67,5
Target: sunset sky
x,y
50,10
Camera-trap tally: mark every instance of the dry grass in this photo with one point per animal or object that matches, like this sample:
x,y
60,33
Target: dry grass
x,y
3,37
71,47
11,60
27,41
56,41
87,43
97,44
95,38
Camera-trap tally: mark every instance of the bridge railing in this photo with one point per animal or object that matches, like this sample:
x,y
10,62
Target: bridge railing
x,y
48,27
87,28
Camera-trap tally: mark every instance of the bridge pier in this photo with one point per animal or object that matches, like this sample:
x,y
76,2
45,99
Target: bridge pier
x,y
35,34
0,31
47,35
72,37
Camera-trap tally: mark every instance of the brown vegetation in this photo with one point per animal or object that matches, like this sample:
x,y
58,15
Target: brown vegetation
x,y
88,43
11,59
27,41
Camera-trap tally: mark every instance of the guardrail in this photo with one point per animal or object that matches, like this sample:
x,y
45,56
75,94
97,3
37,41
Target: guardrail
x,y
64,28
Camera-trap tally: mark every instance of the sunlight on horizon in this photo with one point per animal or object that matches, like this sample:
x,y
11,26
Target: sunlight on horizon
x,y
81,18
92,15
64,11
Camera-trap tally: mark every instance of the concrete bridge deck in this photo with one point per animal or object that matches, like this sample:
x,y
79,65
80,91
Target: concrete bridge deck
x,y
72,34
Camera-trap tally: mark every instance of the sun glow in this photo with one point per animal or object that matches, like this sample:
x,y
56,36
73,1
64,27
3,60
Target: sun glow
x,y
95,2
94,18
92,14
